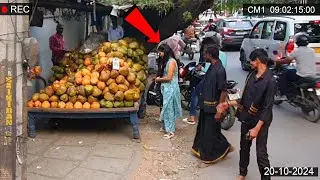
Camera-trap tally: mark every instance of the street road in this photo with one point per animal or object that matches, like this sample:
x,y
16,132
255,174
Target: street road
x,y
293,141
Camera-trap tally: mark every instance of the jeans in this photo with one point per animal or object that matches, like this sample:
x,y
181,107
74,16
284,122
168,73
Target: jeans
x,y
261,150
286,80
195,99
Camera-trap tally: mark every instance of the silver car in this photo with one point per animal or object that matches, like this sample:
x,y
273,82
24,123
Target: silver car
x,y
275,35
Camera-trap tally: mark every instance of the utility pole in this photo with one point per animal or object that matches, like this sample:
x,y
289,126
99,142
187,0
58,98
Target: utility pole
x,y
13,121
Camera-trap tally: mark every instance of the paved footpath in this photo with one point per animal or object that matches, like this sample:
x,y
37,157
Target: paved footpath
x,y
82,155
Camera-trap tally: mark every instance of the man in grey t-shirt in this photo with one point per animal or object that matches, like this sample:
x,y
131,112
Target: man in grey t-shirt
x,y
305,59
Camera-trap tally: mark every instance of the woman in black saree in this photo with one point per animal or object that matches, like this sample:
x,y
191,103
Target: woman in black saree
x,y
210,145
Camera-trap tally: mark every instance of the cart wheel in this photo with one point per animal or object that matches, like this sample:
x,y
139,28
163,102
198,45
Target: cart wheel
x,y
142,112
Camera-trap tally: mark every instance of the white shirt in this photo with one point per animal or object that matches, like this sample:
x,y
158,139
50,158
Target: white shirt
x,y
306,61
115,34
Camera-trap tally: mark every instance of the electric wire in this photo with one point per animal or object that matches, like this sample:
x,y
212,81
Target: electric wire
x,y
16,34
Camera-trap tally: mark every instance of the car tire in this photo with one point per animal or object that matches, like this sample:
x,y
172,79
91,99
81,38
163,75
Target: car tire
x,y
243,61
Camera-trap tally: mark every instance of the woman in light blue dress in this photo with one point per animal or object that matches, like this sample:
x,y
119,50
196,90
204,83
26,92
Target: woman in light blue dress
x,y
171,109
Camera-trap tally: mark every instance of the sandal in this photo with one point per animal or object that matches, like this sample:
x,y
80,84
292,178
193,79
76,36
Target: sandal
x,y
168,136
186,120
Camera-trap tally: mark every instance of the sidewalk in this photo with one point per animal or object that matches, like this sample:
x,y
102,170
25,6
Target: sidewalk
x,y
83,155
109,154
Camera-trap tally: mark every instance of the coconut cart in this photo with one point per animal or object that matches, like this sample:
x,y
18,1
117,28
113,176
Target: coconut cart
x,y
106,83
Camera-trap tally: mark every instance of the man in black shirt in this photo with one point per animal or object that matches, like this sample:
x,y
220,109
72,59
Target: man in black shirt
x,y
210,145
255,112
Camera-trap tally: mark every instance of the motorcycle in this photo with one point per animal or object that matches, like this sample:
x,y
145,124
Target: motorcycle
x,y
191,78
303,94
233,94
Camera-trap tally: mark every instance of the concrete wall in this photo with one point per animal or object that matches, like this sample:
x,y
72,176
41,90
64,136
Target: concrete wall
x,y
74,34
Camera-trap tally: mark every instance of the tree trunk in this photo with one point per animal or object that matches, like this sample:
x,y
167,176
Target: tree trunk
x,y
174,20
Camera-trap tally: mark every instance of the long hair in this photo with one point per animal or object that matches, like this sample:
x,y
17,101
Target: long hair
x,y
168,54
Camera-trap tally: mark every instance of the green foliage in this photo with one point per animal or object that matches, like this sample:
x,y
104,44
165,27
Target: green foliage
x,y
187,16
160,5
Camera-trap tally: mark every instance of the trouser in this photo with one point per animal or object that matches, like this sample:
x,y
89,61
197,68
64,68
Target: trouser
x,y
261,150
286,80
194,99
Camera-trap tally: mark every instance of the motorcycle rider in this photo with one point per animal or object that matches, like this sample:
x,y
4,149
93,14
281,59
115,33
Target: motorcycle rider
x,y
208,25
213,31
306,64
211,37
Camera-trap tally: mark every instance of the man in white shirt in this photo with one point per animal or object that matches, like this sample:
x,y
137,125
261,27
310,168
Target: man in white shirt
x,y
115,32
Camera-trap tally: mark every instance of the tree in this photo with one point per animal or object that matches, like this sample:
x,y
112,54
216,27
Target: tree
x,y
177,14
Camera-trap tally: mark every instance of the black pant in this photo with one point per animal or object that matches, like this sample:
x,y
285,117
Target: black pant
x,y
286,80
261,150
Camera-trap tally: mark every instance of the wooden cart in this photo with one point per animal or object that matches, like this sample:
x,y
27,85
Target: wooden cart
x,y
134,113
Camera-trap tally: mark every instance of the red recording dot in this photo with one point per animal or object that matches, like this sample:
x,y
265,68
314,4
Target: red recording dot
x,y
4,9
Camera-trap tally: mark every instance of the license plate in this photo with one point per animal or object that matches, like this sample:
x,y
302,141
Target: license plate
x,y
234,96
316,50
240,33
187,83
318,92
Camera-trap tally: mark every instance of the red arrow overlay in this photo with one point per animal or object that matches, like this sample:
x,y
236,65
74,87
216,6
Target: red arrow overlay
x,y
136,19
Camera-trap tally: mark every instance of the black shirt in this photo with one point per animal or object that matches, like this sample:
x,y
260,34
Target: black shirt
x,y
258,97
214,83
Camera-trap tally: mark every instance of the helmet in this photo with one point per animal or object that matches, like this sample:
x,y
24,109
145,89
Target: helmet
x,y
302,39
212,27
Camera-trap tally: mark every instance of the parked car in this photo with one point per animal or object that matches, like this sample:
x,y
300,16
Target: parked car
x,y
275,35
232,31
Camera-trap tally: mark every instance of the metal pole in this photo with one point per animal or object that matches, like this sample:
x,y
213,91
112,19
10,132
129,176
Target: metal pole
x,y
12,96
94,16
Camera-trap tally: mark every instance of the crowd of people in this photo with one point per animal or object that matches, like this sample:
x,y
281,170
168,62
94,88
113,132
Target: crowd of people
x,y
254,108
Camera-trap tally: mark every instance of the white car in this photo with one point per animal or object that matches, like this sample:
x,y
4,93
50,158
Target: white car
x,y
275,35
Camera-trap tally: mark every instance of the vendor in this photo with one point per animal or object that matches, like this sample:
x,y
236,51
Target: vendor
x,y
115,32
56,43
